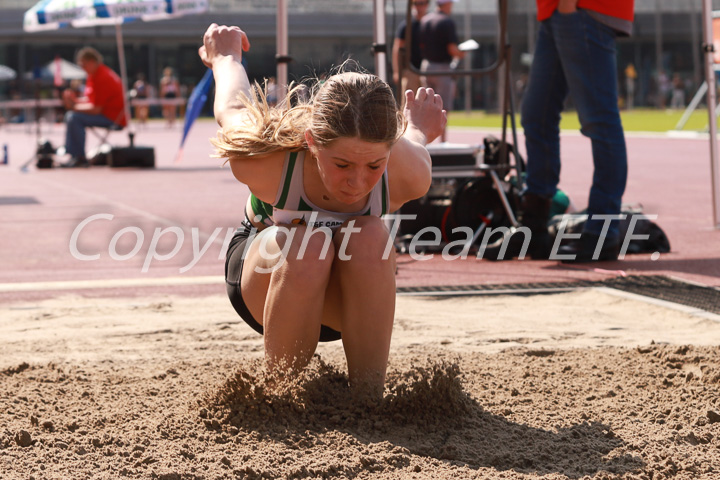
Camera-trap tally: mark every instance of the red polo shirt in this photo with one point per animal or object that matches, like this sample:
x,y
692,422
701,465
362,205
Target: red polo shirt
x,y
104,89
615,8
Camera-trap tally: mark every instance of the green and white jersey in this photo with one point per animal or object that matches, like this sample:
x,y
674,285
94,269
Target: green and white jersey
x,y
292,207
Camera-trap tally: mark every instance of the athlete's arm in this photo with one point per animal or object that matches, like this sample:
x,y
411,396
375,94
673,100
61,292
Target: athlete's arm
x,y
222,52
410,166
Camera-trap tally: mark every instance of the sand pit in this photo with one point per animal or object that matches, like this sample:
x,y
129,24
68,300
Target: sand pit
x,y
586,384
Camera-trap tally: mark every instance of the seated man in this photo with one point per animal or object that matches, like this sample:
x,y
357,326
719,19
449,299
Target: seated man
x,y
101,106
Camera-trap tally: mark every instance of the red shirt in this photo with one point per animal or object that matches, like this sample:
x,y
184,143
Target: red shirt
x,y
615,8
104,89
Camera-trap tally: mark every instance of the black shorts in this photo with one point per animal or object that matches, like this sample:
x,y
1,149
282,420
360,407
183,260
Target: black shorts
x,y
233,273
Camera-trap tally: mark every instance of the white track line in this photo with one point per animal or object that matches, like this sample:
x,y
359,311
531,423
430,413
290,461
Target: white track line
x,y
219,280
110,283
696,312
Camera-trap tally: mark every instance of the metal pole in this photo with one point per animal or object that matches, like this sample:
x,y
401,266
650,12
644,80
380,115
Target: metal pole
x,y
708,50
380,46
692,106
658,51
379,43
531,26
282,49
694,41
467,59
379,49
123,76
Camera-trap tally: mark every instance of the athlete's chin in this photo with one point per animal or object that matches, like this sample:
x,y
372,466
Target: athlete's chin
x,y
349,198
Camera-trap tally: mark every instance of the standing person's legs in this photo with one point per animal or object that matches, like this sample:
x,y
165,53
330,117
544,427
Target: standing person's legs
x,y
172,115
587,51
410,81
541,107
169,111
142,113
542,104
443,85
630,87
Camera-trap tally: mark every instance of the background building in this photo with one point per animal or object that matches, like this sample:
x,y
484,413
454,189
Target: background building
x,y
667,38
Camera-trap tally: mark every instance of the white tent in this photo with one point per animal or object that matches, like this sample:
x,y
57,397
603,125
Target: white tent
x,y
7,73
68,71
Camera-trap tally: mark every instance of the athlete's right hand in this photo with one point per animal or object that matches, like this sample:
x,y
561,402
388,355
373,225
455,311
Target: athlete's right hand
x,y
221,42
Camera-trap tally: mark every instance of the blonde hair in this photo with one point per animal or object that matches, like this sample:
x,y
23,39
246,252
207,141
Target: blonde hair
x,y
346,105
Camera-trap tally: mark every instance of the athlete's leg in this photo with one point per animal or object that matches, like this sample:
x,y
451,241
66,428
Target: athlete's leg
x,y
361,295
286,293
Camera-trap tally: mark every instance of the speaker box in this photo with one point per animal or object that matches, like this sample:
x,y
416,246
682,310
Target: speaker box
x,y
454,154
44,161
429,210
143,157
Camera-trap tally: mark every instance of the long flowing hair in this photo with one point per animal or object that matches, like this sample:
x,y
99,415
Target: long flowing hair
x,y
347,105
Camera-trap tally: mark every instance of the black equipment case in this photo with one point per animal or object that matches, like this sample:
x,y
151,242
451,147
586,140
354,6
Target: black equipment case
x,y
143,157
466,190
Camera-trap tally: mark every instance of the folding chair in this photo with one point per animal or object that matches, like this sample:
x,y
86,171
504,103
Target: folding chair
x,y
121,156
99,154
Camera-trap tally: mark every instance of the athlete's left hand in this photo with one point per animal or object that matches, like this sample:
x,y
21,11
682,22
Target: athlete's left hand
x,y
424,111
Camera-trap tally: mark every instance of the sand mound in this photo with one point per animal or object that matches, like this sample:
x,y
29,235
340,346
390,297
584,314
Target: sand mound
x,y
175,389
644,413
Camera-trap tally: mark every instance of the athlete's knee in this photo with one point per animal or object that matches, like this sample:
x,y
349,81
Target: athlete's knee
x,y
312,245
363,239
280,248
307,256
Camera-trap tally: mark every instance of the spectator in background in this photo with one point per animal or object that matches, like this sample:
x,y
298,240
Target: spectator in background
x,y
630,79
678,92
403,77
67,95
141,91
272,91
102,105
663,86
575,55
169,89
439,47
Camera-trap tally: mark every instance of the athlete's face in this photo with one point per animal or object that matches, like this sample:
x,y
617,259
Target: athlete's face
x,y
350,167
